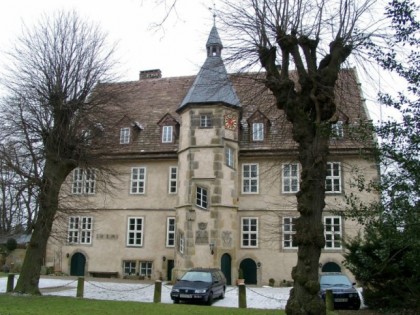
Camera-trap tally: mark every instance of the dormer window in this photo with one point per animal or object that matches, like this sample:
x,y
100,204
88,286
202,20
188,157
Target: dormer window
x,y
167,134
125,135
257,131
205,121
337,131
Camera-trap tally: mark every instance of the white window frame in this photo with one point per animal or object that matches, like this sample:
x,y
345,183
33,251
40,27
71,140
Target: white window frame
x,y
337,130
84,181
249,232
145,268
201,199
181,245
173,180
206,121
138,180
289,231
333,178
290,178
129,267
80,229
124,135
258,131
333,232
250,181
170,232
135,235
230,157
167,134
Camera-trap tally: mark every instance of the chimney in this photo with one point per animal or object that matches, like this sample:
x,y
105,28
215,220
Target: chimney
x,y
150,74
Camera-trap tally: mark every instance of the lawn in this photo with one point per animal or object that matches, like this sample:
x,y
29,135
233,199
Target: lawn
x,y
15,305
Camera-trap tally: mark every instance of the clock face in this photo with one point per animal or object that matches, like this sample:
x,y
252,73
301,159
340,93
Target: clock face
x,y
230,122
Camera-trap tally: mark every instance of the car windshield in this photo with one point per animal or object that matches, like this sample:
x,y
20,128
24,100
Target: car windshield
x,y
197,276
335,280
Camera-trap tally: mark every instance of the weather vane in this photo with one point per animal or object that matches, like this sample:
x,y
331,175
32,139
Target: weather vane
x,y
214,12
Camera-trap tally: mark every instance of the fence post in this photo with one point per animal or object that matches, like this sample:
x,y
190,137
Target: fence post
x,y
80,287
10,282
329,300
242,295
158,291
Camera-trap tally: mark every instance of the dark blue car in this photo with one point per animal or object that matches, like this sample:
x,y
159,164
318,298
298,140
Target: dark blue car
x,y
344,293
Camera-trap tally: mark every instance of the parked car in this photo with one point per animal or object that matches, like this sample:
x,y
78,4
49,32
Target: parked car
x,y
201,285
344,293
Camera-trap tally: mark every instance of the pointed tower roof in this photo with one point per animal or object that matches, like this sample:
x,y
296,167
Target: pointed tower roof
x,y
212,84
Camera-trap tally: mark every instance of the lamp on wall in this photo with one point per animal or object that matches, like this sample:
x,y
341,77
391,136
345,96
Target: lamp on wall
x,y
164,258
211,247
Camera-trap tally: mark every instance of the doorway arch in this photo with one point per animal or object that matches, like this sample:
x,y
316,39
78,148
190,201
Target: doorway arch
x,y
249,268
77,265
226,267
331,267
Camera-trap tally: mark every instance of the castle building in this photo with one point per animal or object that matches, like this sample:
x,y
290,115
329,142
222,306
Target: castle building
x,y
205,175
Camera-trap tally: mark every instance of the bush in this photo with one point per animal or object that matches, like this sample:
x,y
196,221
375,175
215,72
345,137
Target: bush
x,y
11,244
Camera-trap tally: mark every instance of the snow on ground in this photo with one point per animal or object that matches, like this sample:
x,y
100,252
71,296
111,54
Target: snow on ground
x,y
113,289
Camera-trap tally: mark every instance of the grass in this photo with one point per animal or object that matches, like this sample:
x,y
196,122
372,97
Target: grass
x,y
34,305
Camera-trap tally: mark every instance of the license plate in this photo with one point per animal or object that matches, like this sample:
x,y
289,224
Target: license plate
x,y
341,300
185,296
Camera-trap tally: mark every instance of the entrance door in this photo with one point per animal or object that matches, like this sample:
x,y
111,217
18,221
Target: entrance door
x,y
77,267
331,267
226,267
249,268
171,264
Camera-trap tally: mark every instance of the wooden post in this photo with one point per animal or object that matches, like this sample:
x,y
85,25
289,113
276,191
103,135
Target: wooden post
x,y
242,295
158,291
329,300
80,287
10,282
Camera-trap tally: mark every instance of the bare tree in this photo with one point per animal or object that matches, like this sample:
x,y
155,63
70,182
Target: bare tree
x,y
51,116
301,45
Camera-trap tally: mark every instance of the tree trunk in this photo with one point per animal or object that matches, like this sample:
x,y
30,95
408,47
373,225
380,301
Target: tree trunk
x,y
54,175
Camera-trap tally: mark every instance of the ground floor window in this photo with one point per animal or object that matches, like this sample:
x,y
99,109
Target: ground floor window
x,y
129,268
146,268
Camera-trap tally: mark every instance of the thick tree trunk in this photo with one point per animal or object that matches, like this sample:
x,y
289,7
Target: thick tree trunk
x,y
54,175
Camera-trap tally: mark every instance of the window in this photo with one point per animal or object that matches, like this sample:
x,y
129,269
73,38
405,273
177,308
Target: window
x,y
80,230
333,179
290,178
135,232
250,178
249,235
289,230
170,232
173,179
167,134
201,197
84,181
257,131
181,245
138,180
230,157
205,121
146,268
337,131
124,135
129,268
332,230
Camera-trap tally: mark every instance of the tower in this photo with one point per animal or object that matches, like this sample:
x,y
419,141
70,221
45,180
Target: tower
x,y
207,161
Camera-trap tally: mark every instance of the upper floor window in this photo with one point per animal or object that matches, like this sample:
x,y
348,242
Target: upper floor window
x,y
257,131
201,197
138,180
249,232
332,231
205,121
230,157
173,179
135,232
250,179
167,134
170,232
84,181
290,178
124,135
289,231
80,230
333,179
337,131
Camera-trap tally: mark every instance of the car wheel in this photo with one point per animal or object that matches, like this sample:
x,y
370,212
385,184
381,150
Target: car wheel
x,y
210,299
176,301
222,295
